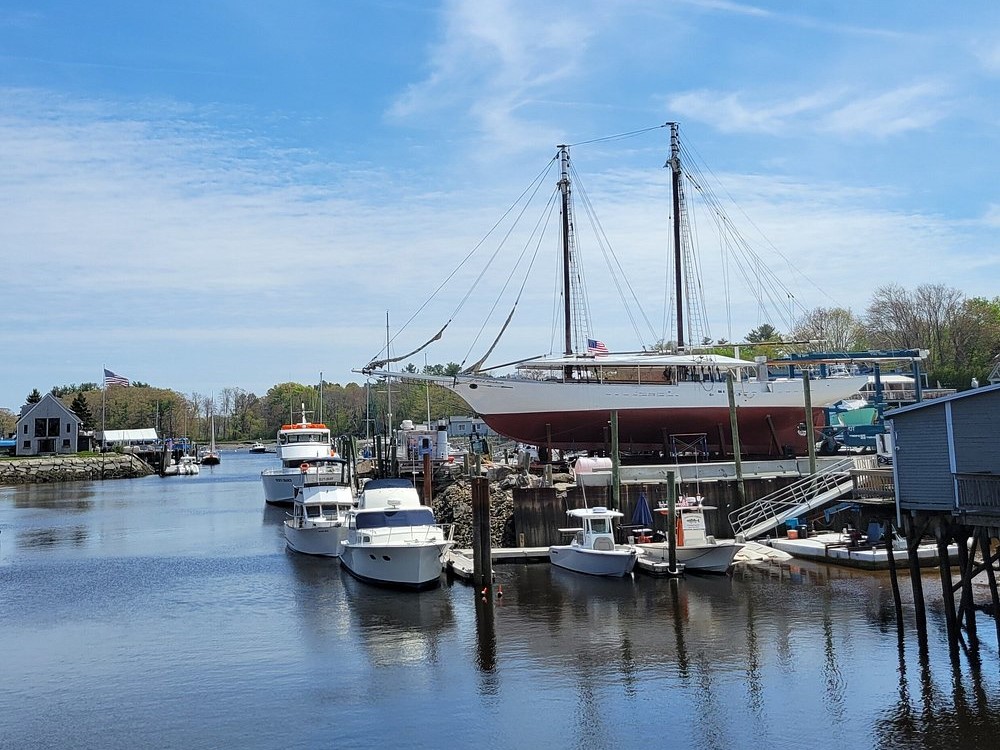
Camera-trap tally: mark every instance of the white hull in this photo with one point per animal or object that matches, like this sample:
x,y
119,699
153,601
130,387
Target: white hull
x,y
316,539
280,484
702,558
409,564
618,562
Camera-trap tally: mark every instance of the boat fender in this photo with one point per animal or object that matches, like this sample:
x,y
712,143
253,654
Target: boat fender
x,y
303,467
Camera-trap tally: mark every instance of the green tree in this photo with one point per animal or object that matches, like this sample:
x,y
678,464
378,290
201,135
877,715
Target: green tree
x,y
34,397
762,334
81,408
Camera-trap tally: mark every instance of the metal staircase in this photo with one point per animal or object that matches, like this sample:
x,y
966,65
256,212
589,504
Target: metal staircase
x,y
807,494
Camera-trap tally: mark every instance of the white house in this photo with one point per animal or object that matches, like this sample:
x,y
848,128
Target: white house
x,y
47,427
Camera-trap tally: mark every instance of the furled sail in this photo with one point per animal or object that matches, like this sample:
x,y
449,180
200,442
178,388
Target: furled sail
x,y
377,363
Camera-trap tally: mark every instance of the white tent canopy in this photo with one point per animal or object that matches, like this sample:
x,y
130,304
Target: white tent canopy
x,y
143,435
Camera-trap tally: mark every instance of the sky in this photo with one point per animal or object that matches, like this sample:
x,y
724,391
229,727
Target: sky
x,y
222,194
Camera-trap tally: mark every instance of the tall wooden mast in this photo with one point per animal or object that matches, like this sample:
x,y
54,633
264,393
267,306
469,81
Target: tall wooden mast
x,y
675,170
567,301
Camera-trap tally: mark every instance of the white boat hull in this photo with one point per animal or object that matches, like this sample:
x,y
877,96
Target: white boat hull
x,y
316,539
280,484
409,565
700,558
616,563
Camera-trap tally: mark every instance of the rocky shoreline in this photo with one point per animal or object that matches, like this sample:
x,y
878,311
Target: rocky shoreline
x,y
44,469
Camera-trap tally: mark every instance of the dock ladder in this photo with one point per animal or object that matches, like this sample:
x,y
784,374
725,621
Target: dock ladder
x,y
807,494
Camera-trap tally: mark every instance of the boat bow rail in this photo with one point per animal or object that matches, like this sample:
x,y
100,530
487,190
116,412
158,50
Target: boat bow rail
x,y
807,494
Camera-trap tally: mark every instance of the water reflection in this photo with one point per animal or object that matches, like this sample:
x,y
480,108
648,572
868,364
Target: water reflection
x,y
398,627
52,537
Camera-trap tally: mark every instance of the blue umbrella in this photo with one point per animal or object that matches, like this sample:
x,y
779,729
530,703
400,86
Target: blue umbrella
x,y
642,515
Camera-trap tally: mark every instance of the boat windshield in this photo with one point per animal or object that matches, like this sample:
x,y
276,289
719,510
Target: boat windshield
x,y
600,526
305,437
377,519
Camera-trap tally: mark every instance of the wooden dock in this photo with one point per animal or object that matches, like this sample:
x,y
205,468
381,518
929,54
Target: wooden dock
x,y
458,562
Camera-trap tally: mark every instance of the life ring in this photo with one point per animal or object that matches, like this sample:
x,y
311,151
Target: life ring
x,y
303,468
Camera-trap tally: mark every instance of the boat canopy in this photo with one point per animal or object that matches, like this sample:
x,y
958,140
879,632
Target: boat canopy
x,y
391,518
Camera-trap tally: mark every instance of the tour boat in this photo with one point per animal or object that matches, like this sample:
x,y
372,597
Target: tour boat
x,y
393,539
297,443
593,549
317,524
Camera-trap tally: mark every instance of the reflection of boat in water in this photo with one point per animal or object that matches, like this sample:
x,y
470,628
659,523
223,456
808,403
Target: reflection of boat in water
x,y
398,629
696,550
593,549
297,443
392,538
317,524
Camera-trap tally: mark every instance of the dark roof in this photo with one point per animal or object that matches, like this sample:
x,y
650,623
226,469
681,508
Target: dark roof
x,y
972,392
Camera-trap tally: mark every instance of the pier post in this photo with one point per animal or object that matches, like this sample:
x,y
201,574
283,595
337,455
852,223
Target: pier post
x,y
810,427
482,555
893,578
966,563
913,536
616,487
672,524
428,477
735,427
947,591
988,560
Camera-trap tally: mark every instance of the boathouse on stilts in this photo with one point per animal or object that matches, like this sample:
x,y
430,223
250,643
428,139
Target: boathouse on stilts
x,y
946,472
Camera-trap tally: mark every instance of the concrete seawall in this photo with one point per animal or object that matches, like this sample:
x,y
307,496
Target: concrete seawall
x,y
37,470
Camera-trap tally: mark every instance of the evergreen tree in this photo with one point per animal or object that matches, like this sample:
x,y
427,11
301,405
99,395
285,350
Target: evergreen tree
x,y
81,408
34,397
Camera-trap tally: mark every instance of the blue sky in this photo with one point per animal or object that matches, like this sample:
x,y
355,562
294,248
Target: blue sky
x,y
208,194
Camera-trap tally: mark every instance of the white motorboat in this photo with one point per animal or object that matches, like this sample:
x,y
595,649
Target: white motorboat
x,y
695,549
392,538
258,447
593,549
184,466
297,443
317,524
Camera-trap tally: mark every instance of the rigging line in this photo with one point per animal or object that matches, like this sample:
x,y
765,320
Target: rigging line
x,y
612,262
619,136
493,257
759,231
537,231
535,183
524,282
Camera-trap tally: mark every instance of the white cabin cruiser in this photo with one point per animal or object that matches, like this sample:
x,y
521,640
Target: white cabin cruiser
x,y
593,549
696,550
392,539
298,443
317,524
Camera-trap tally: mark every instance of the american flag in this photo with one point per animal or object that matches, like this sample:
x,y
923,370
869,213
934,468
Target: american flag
x,y
111,378
596,347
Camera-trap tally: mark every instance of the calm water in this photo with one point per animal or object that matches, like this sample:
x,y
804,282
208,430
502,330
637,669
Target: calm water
x,y
167,613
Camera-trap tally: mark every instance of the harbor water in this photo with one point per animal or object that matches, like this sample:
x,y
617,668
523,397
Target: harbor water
x,y
167,613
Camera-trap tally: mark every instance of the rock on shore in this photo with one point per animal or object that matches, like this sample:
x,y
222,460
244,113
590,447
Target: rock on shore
x,y
41,469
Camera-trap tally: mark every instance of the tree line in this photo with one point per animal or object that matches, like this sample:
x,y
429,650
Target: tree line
x,y
962,335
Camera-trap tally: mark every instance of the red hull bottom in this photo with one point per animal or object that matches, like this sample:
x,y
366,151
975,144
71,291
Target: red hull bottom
x,y
762,432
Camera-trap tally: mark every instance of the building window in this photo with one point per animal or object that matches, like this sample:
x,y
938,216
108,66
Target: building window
x,y
40,425
69,427
53,427
25,428
27,443
65,442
